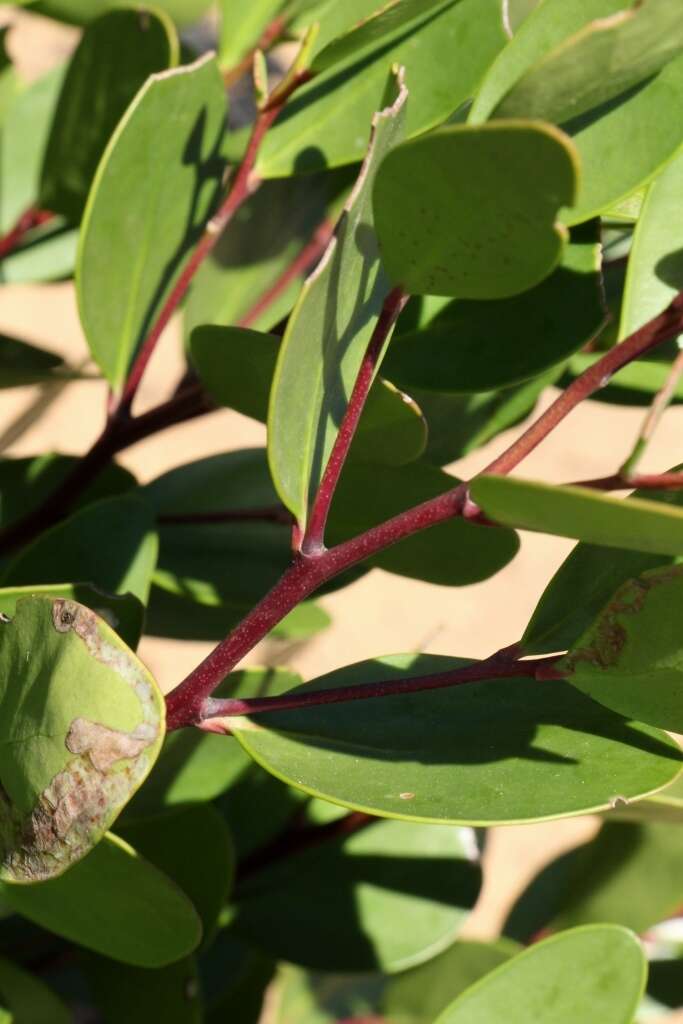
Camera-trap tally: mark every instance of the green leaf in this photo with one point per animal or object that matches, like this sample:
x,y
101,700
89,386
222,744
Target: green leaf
x,y
584,583
549,25
241,27
156,185
309,997
455,553
382,23
655,268
83,722
592,973
261,242
81,12
622,144
603,59
9,81
502,184
629,875
228,563
394,895
123,613
48,253
329,331
629,658
419,995
235,977
137,995
28,999
22,151
21,363
477,345
636,524
324,124
96,91
26,483
279,806
139,916
196,766
476,754
74,549
237,366
458,424
192,846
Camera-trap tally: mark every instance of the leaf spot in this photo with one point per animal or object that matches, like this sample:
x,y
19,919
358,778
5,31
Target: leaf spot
x,y
106,746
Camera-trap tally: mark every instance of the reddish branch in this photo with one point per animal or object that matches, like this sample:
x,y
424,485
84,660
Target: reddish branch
x,y
186,702
269,37
33,218
644,481
313,541
492,668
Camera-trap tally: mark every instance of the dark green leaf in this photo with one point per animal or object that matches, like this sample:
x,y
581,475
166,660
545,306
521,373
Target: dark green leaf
x,y
455,553
324,124
237,367
28,999
378,27
502,184
82,723
137,995
605,58
139,916
329,331
157,183
637,524
584,583
111,544
630,657
477,345
394,894
26,483
234,979
479,754
593,973
549,25
96,91
665,806
192,846
419,995
629,875
21,363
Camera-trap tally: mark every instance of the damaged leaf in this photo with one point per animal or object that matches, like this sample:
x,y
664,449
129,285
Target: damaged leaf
x,y
81,725
631,658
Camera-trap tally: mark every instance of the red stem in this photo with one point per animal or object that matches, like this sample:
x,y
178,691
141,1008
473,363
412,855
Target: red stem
x,y
185,703
619,482
662,328
313,541
32,218
492,668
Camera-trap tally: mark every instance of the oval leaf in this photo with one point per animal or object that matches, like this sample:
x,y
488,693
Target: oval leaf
x,y
174,129
82,723
139,916
592,973
394,895
421,756
502,185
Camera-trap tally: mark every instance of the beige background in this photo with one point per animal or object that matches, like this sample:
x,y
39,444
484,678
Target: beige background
x,y
380,613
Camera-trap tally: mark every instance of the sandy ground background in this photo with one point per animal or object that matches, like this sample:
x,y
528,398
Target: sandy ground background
x,y
380,613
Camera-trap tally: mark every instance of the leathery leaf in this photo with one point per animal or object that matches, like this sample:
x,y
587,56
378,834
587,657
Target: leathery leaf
x,y
81,724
